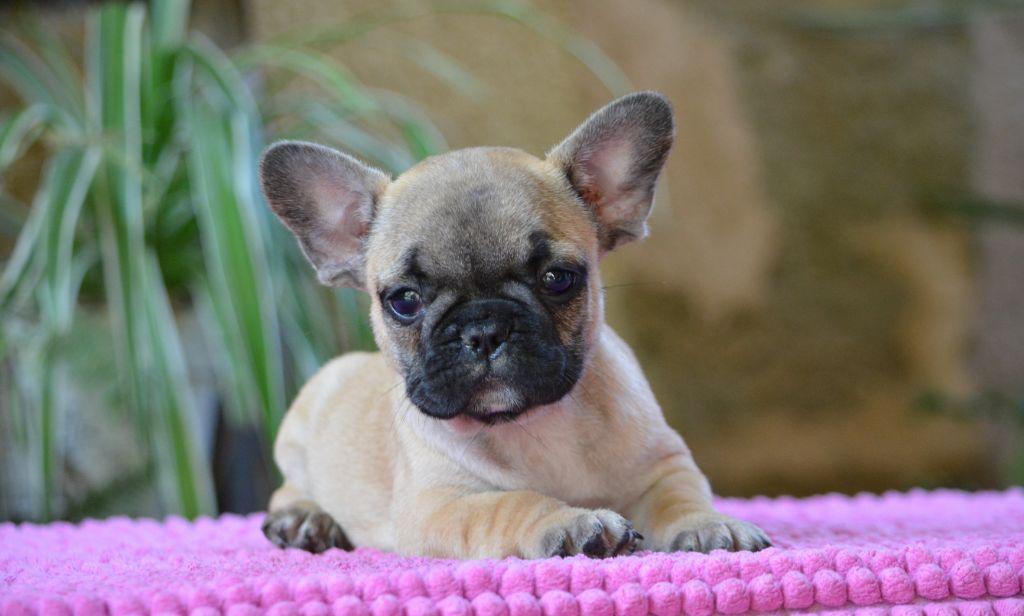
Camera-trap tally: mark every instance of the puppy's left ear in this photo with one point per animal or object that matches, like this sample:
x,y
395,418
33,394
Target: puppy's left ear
x,y
328,199
613,160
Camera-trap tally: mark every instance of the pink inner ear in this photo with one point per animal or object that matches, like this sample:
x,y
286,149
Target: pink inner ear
x,y
607,171
340,216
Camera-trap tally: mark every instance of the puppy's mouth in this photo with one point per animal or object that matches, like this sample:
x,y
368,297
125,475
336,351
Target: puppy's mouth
x,y
492,418
491,404
494,405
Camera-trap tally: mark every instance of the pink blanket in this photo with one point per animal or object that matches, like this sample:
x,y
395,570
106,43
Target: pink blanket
x,y
917,553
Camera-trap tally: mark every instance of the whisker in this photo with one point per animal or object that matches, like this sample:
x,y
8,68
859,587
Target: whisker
x,y
465,449
633,284
531,434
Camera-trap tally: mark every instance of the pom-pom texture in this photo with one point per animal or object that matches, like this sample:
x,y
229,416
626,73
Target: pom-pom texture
x,y
920,553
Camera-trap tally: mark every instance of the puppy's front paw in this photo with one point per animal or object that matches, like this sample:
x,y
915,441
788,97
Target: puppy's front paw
x,y
703,532
599,534
305,528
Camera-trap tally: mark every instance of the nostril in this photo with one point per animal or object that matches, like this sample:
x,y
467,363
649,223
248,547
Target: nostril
x,y
499,336
484,339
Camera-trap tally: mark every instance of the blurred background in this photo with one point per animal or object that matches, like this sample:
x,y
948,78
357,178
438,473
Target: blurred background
x,y
831,299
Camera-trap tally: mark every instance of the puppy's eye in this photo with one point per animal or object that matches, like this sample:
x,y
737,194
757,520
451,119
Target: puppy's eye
x,y
405,304
557,281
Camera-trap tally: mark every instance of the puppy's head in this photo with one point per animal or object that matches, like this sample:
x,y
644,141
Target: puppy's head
x,y
482,264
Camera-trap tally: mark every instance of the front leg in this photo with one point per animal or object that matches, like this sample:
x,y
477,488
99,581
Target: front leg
x,y
676,514
449,523
297,522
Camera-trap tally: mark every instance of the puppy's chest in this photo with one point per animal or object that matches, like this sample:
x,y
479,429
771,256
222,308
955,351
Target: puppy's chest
x,y
565,468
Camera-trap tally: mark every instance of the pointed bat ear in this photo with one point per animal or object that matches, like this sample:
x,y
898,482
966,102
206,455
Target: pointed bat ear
x,y
328,200
613,161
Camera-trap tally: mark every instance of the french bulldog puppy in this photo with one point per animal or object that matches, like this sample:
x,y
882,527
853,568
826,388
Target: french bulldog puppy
x,y
502,416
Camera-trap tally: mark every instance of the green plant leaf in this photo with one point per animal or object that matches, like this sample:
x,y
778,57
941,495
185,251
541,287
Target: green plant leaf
x,y
220,162
19,130
175,402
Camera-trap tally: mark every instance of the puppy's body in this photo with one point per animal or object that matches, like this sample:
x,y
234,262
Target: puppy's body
x,y
503,417
352,440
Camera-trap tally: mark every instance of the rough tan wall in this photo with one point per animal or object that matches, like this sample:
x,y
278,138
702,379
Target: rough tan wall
x,y
795,297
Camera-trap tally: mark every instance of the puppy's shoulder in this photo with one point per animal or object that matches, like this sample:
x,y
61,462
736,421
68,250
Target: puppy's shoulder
x,y
352,365
346,379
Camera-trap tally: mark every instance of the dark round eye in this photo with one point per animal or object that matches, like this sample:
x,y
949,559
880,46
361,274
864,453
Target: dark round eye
x,y
557,281
405,304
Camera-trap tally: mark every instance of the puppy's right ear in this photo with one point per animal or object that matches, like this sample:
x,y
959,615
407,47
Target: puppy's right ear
x,y
328,200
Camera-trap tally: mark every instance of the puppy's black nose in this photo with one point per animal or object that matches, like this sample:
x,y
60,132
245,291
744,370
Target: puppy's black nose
x,y
483,338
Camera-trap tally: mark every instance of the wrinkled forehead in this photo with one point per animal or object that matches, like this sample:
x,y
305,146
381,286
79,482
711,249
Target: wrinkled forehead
x,y
475,213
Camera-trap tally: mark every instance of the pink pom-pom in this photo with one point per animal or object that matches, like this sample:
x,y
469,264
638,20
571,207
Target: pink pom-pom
x,y
374,586
985,556
57,607
846,560
630,600
966,580
559,603
897,587
93,606
386,605
552,575
698,600
617,574
752,566
454,606
409,585
12,607
314,608
976,608
862,586
650,574
1001,581
419,606
349,605
476,579
813,561
717,569
240,593
586,574
273,592
684,570
931,582
664,599
283,608
829,588
782,564
797,591
765,593
516,578
338,586
731,597
523,604
489,604
161,603
907,610
441,583
307,590
1009,607
198,598
125,606
595,602
917,556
